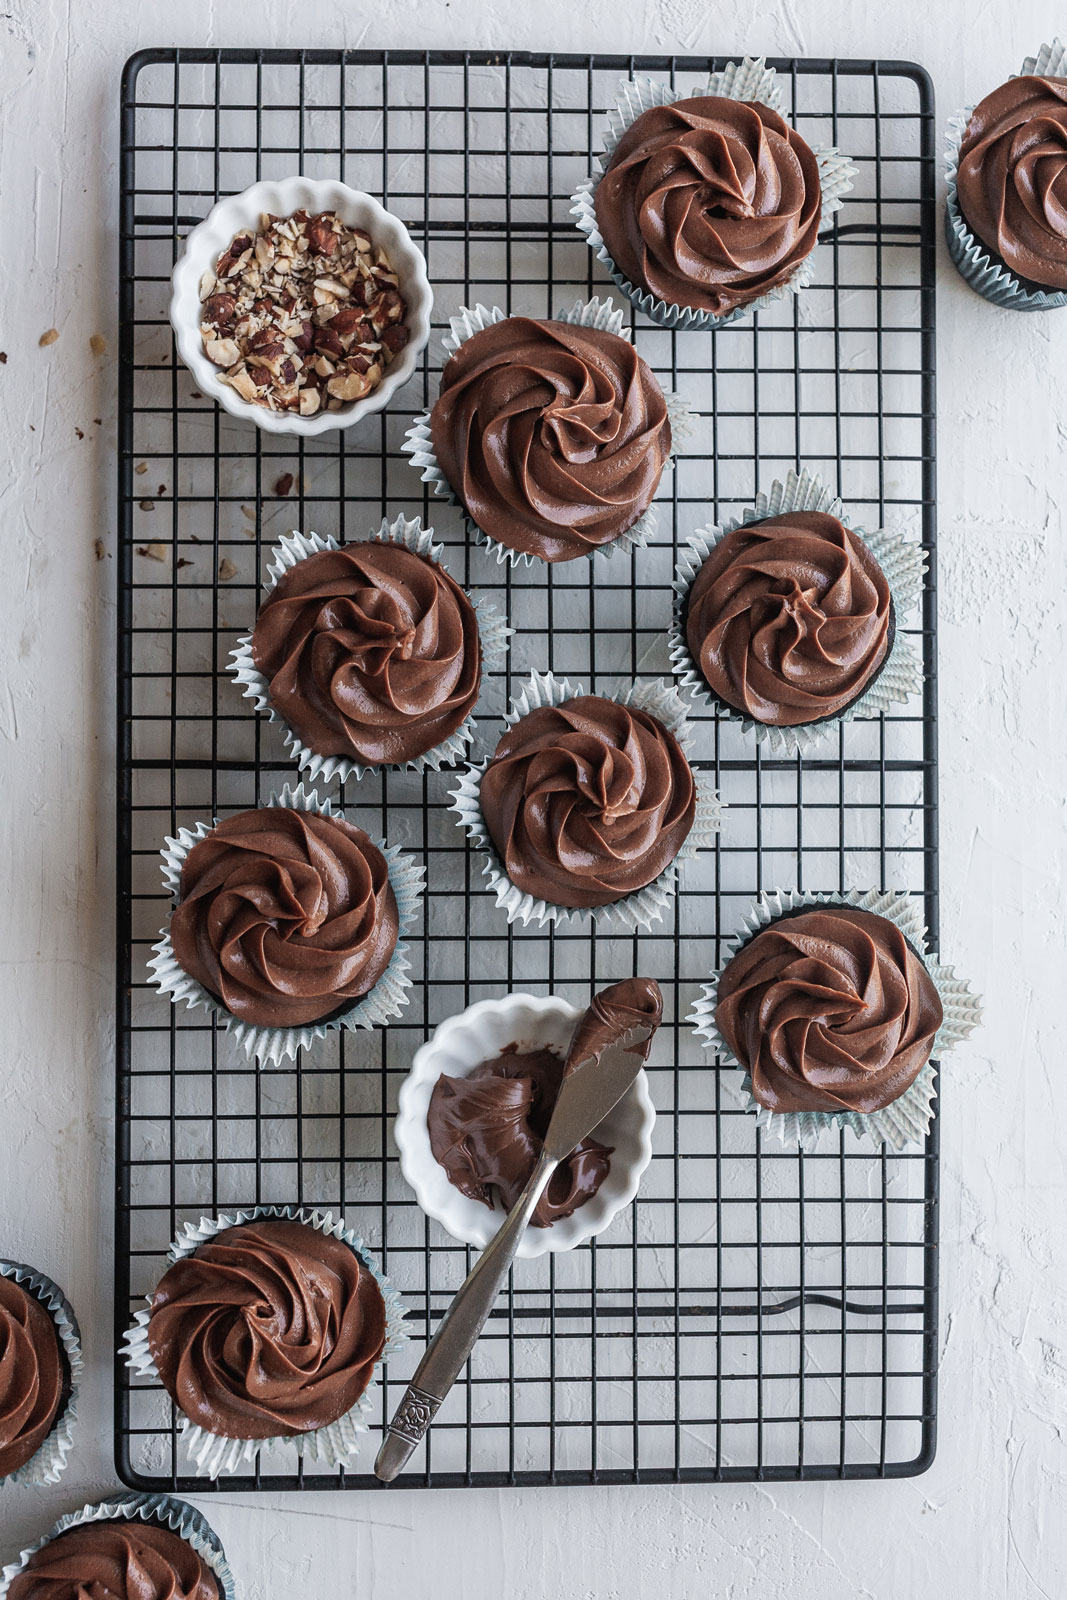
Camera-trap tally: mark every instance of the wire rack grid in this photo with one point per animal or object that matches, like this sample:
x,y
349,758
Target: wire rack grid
x,y
758,1314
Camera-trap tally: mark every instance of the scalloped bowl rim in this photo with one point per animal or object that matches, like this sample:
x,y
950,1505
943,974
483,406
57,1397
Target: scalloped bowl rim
x,y
511,1020
283,196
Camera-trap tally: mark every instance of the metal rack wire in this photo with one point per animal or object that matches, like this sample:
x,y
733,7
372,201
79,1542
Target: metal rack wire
x,y
758,1315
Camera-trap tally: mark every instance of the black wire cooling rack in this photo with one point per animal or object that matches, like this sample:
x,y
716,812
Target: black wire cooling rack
x,y
758,1314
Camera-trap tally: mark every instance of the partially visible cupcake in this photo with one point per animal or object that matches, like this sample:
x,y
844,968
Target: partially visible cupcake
x,y
267,1328
587,803
552,434
40,1364
832,1007
287,923
708,205
1006,217
789,621
369,653
135,1547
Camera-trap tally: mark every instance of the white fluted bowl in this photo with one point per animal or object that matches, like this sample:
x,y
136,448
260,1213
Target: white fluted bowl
x,y
240,212
480,1033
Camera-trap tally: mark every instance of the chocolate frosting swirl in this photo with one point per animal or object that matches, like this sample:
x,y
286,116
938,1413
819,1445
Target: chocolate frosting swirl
x,y
829,1010
553,436
270,1329
789,619
32,1375
115,1561
372,653
1012,177
285,915
587,802
709,202
632,1003
487,1130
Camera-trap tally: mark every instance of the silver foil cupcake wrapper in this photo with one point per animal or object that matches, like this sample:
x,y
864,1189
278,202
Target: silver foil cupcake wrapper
x,y
904,565
48,1461
747,80
493,634
386,999
907,1120
163,1510
335,1444
640,910
418,444
978,266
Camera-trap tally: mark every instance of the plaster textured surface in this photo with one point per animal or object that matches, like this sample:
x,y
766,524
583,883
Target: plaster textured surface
x,y
987,1520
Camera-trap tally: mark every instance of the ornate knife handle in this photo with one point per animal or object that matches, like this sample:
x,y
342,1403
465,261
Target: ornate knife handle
x,y
458,1332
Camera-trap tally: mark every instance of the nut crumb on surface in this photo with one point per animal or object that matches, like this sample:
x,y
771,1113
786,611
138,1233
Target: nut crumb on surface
x,y
303,315
98,344
227,569
98,547
249,512
284,484
49,336
154,552
141,468
147,505
3,358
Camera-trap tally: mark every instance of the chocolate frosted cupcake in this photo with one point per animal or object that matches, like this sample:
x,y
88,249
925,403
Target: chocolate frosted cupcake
x,y
134,1547
832,1007
40,1364
551,434
708,205
790,620
1006,220
119,1560
268,1327
587,803
286,923
370,654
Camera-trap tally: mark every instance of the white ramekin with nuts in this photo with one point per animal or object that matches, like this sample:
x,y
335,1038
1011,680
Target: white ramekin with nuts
x,y
301,305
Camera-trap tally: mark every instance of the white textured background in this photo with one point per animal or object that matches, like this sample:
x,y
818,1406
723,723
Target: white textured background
x,y
989,1519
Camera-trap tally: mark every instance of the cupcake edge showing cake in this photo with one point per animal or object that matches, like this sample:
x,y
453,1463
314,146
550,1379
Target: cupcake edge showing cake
x,y
104,1556
760,630
557,783
552,435
307,871
774,993
371,651
1004,178
305,1371
33,1375
667,156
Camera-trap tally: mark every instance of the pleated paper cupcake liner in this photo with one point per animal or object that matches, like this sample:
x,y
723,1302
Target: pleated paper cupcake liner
x,y
335,1444
418,444
386,999
163,1510
640,910
907,1120
904,564
493,634
747,80
979,266
47,1463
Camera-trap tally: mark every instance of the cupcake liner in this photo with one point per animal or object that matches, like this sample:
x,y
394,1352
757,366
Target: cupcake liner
x,y
907,1120
418,444
747,80
386,999
639,910
48,1461
902,561
978,266
163,1509
493,634
337,1442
